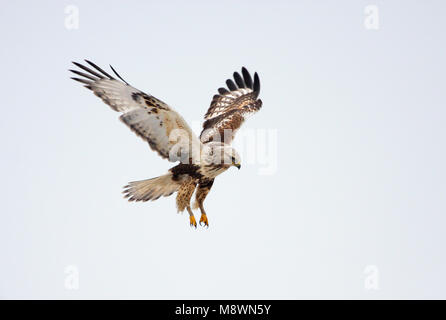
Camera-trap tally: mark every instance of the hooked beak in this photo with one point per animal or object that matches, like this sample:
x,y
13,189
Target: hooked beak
x,y
238,165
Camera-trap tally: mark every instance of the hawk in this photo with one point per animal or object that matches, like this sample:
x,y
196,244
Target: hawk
x,y
201,159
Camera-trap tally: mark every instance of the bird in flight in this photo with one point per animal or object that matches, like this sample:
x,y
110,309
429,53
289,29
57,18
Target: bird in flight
x,y
201,159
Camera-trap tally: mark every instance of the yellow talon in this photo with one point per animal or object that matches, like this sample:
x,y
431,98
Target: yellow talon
x,y
193,223
204,219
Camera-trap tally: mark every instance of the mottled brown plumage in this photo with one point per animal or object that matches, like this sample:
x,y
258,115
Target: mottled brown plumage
x,y
229,109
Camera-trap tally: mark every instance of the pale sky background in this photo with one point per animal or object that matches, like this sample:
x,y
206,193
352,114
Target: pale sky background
x,y
360,122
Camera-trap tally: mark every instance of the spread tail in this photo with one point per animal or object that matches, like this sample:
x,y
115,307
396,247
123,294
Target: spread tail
x,y
151,189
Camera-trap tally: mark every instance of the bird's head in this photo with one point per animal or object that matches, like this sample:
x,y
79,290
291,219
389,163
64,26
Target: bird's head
x,y
225,155
235,159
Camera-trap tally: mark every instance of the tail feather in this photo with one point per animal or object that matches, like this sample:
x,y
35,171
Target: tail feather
x,y
151,189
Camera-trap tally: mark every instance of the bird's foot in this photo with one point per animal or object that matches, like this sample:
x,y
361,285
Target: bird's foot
x,y
193,223
204,219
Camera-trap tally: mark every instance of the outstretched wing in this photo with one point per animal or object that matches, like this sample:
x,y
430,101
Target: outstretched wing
x,y
162,127
230,107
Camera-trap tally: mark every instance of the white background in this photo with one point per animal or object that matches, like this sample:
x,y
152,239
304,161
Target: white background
x,y
360,180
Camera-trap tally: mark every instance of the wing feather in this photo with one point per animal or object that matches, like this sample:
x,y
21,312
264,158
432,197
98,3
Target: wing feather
x,y
230,108
162,127
238,79
247,78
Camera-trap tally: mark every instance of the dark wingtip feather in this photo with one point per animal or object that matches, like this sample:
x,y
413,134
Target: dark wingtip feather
x,y
99,69
231,85
88,70
77,64
81,80
256,87
84,75
222,90
239,80
247,78
117,74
